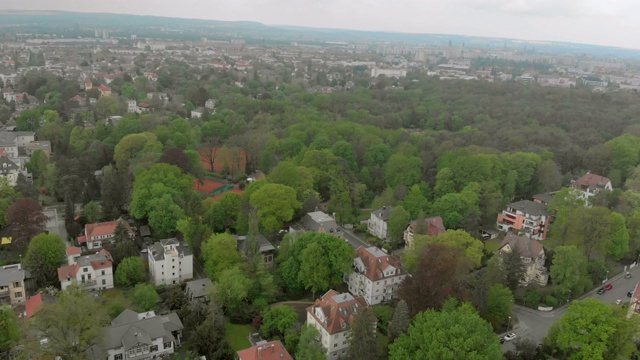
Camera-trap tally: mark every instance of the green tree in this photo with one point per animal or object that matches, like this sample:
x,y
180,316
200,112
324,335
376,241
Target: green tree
x,y
195,232
314,269
155,183
398,222
38,163
415,202
134,145
130,271
7,196
232,288
499,304
9,331
164,215
308,347
455,207
362,339
92,212
145,296
29,120
633,227
563,203
209,341
594,330
590,230
400,322
275,204
107,106
220,252
619,245
299,178
45,253
402,170
73,325
277,320
472,247
569,271
455,334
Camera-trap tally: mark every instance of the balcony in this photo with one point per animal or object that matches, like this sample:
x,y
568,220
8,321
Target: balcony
x,y
91,282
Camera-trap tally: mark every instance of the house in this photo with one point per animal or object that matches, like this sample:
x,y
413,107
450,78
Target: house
x,y
319,221
44,145
532,255
88,84
196,114
377,224
144,335
23,138
170,262
151,76
78,99
544,198
264,247
9,170
198,290
376,275
432,226
35,303
132,106
12,288
92,272
143,108
99,233
590,184
9,143
332,315
272,350
526,216
210,104
104,90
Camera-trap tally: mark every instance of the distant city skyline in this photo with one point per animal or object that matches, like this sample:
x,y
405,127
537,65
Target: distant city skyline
x,y
597,22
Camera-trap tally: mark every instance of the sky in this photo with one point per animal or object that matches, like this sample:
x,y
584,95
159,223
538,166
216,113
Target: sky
x,y
600,22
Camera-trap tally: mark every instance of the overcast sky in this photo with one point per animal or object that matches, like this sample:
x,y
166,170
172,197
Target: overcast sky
x,y
603,22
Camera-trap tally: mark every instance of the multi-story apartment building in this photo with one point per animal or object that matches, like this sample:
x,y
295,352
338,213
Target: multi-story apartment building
x,y
12,289
376,275
333,315
527,217
272,350
96,235
170,262
93,272
142,336
432,226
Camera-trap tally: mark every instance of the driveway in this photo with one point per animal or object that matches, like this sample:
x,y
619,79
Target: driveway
x,y
535,324
55,225
354,240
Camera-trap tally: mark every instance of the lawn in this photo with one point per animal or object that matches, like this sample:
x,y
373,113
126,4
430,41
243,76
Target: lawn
x,y
383,343
238,335
492,245
115,301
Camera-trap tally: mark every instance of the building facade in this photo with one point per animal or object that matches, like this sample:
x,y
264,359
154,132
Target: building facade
x,y
527,217
96,235
12,289
533,257
377,224
170,262
590,184
432,226
92,272
376,276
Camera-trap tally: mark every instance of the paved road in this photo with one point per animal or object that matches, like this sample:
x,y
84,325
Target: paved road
x,y
535,324
55,225
354,240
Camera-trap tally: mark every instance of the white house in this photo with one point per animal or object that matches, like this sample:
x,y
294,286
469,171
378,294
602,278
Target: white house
x,y
93,272
332,315
376,276
99,233
132,106
170,262
9,170
377,224
144,335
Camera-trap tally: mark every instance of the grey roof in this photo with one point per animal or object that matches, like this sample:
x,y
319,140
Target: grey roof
x,y
157,249
88,259
8,138
544,197
530,207
200,287
11,273
10,165
129,331
318,220
263,244
383,213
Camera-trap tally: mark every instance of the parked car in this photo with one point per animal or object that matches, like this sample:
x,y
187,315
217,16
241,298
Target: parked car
x,y
509,336
601,291
608,287
630,293
627,275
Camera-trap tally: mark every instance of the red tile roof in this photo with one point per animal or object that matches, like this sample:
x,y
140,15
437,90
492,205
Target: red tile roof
x,y
338,309
33,304
376,262
73,251
105,253
104,228
67,272
103,88
590,181
101,264
82,239
273,350
435,225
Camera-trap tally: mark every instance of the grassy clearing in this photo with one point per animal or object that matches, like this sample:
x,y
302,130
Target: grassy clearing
x,y
383,343
238,335
492,245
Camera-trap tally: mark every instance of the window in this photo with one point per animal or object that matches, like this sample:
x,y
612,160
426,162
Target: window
x,y
173,267
104,282
344,342
16,284
117,357
102,272
335,345
19,294
85,269
153,348
167,345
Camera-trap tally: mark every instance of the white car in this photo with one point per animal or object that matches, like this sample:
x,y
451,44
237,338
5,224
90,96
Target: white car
x,y
509,337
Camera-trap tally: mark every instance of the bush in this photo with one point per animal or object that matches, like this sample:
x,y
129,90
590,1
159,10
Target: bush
x,y
383,313
533,298
243,314
550,300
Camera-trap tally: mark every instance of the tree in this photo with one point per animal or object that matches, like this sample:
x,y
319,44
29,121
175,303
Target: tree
x,y
92,212
438,275
569,271
594,330
299,178
176,157
402,170
174,298
308,348
164,215
108,106
220,252
472,247
72,325
122,250
499,304
398,222
338,258
209,341
619,245
415,202
130,271
134,145
7,196
155,183
400,321
362,339
447,335
512,266
38,163
232,288
195,232
112,193
549,176
29,120
145,296
45,253
277,320
26,219
314,269
275,204
590,230
9,332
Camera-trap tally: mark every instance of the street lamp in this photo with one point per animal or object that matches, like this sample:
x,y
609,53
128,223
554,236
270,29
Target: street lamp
x,y
607,276
509,324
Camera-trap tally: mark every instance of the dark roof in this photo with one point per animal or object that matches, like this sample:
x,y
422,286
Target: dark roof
x,y
199,288
157,249
528,248
130,329
383,213
435,225
529,207
544,197
11,273
318,221
263,244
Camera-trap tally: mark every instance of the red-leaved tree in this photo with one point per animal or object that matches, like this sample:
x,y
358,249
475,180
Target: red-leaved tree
x,y
440,274
26,220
